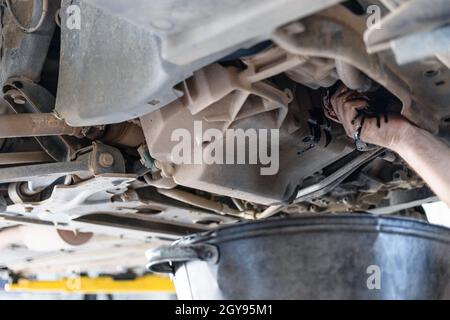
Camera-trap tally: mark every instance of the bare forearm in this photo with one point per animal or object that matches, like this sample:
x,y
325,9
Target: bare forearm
x,y
429,157
425,153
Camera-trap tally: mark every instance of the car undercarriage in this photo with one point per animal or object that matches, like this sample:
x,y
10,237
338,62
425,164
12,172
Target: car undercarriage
x,y
92,95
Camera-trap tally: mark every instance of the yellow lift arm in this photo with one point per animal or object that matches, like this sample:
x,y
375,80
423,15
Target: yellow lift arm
x,y
86,285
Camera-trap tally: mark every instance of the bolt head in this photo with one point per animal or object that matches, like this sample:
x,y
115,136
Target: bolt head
x,y
106,160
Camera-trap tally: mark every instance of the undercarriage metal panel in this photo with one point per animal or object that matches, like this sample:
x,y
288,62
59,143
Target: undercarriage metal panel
x,y
192,30
112,70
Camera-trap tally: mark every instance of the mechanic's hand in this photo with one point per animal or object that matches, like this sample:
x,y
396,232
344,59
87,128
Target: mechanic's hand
x,y
388,135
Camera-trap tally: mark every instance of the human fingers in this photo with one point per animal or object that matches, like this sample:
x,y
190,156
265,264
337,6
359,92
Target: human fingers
x,y
339,99
349,109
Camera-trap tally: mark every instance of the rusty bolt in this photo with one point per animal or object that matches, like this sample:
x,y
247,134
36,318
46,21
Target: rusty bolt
x,y
106,160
